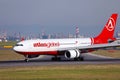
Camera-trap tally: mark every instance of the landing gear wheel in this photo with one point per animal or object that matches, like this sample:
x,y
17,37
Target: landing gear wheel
x,y
79,59
56,58
76,59
26,58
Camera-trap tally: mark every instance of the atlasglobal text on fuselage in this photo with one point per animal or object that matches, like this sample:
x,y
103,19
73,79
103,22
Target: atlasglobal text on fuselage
x,y
71,48
48,44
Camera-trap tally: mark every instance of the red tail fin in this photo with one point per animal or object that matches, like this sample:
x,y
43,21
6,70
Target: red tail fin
x,y
107,33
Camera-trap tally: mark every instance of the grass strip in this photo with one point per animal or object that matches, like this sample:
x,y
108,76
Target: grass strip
x,y
108,53
62,72
6,55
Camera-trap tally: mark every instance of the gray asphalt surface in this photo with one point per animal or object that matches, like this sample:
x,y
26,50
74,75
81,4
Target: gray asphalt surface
x,y
46,61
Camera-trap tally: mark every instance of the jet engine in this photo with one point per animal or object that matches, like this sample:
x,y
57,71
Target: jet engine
x,y
72,54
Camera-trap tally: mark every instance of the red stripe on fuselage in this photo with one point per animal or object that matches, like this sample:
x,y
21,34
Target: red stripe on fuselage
x,y
92,41
39,53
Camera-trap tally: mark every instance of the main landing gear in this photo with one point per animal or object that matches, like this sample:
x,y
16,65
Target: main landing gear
x,y
59,59
79,59
56,58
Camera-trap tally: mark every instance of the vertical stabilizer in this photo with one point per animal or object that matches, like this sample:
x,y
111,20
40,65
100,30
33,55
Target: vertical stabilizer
x,y
107,33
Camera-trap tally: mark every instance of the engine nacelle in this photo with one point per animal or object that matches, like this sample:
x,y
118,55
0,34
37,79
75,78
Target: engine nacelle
x,y
72,54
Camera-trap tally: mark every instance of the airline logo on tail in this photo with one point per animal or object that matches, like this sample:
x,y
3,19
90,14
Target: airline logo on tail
x,y
110,25
107,32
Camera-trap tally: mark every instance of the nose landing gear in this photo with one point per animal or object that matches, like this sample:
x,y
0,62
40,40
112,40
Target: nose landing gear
x,y
26,58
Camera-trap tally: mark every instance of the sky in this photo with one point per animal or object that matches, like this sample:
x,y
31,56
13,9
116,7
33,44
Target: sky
x,y
57,16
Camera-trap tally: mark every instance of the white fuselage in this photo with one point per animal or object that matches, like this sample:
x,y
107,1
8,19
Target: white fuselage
x,y
42,45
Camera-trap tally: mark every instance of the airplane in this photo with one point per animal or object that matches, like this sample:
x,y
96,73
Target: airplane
x,y
70,48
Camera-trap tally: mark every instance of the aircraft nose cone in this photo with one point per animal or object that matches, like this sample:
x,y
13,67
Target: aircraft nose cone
x,y
14,48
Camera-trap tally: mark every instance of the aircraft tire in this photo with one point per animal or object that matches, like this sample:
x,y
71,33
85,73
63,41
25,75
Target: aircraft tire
x,y
56,59
79,59
26,60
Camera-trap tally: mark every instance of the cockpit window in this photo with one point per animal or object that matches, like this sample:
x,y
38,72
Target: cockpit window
x,y
19,45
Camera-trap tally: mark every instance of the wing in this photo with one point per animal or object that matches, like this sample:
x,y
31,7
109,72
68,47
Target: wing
x,y
92,47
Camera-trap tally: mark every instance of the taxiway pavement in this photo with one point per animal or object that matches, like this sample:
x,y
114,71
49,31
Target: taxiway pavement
x,y
46,61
